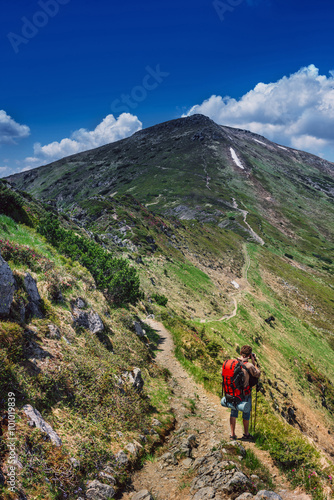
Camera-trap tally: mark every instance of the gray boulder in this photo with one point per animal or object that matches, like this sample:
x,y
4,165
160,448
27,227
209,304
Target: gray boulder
x,y
54,332
35,301
37,420
204,494
99,491
238,482
135,379
142,495
267,495
89,320
7,287
107,478
133,448
122,458
168,459
79,303
138,328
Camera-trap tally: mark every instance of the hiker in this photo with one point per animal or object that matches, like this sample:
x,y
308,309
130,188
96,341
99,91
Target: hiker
x,y
251,374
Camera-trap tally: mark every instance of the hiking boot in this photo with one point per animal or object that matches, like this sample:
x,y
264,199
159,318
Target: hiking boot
x,y
247,437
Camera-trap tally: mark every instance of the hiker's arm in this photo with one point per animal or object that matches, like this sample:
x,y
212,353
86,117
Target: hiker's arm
x,y
255,371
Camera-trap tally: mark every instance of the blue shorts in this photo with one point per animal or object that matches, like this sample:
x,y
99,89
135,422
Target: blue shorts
x,y
245,416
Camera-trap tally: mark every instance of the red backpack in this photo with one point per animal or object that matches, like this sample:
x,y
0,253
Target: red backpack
x,y
234,381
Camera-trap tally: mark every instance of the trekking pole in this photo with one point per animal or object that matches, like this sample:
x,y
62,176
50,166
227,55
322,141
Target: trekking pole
x,y
251,420
255,407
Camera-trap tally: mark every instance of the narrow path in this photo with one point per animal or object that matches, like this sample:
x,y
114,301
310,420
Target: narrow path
x,y
245,269
251,230
210,423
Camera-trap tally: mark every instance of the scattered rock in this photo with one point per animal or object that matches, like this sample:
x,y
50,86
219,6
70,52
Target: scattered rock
x,y
267,495
133,448
7,287
107,478
122,458
242,449
119,434
143,438
156,422
168,459
75,463
37,420
79,303
35,301
134,378
142,495
238,482
88,320
270,320
244,496
139,331
99,491
204,494
54,332
187,463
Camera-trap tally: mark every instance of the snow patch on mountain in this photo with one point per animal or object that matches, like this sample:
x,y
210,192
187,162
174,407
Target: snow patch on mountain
x,y
236,159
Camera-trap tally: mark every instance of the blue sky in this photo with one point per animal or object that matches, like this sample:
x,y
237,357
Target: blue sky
x,y
67,65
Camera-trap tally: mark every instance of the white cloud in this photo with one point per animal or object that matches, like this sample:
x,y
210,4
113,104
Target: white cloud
x,y
297,110
2,169
10,130
109,130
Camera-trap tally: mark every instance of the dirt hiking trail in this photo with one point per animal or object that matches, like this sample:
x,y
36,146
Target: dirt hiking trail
x,y
208,422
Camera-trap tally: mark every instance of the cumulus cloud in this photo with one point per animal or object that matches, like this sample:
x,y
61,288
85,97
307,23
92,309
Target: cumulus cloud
x,y
109,130
10,130
297,110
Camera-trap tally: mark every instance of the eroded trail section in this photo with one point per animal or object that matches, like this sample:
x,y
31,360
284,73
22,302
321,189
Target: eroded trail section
x,y
190,467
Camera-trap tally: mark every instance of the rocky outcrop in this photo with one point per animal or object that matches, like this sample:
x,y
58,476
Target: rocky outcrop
x,y
89,320
37,420
138,329
54,332
99,491
7,287
134,448
267,495
35,302
134,378
122,459
142,495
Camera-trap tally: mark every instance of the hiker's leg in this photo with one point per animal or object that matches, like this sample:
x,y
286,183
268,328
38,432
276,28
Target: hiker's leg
x,y
233,422
246,415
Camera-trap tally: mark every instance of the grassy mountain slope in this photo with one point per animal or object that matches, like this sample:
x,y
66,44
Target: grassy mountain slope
x,y
72,377
229,247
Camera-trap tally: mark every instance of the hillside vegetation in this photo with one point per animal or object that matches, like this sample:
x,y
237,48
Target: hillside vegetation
x,y
210,249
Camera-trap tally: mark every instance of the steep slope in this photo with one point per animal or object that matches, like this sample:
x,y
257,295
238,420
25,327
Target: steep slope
x,y
194,168
243,255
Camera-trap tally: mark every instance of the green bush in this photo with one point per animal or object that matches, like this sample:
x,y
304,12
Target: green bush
x,y
160,299
11,205
112,275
